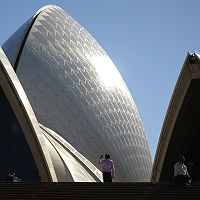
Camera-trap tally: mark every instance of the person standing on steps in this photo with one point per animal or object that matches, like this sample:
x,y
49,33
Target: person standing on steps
x,y
108,169
181,176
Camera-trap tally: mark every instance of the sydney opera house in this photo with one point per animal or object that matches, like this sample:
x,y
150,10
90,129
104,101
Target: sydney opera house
x,y
63,104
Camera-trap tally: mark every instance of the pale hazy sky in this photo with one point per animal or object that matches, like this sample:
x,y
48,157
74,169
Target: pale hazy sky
x,y
147,40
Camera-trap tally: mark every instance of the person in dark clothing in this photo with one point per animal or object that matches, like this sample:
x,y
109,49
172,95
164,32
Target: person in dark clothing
x,y
9,178
12,178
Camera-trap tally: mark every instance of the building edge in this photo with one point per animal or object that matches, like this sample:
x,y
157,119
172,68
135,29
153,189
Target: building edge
x,y
189,72
20,104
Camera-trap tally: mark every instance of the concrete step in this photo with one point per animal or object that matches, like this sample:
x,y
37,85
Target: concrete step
x,y
125,191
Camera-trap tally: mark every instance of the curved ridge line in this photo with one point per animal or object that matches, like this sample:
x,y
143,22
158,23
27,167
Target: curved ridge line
x,y
61,141
27,33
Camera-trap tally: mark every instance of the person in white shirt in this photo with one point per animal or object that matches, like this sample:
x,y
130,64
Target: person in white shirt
x,y
181,176
108,169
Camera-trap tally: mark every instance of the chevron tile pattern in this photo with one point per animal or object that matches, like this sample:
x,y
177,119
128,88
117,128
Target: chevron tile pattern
x,y
75,90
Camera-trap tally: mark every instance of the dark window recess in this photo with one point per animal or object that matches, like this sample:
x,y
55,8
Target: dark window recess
x,y
15,153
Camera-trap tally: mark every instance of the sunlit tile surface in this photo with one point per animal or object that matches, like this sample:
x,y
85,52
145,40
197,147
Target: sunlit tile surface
x,y
75,90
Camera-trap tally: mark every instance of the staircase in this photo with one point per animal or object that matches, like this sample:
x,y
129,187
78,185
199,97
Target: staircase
x,y
95,191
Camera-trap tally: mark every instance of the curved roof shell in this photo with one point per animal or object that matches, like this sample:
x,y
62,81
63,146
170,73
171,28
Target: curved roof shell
x,y
180,131
17,98
76,91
